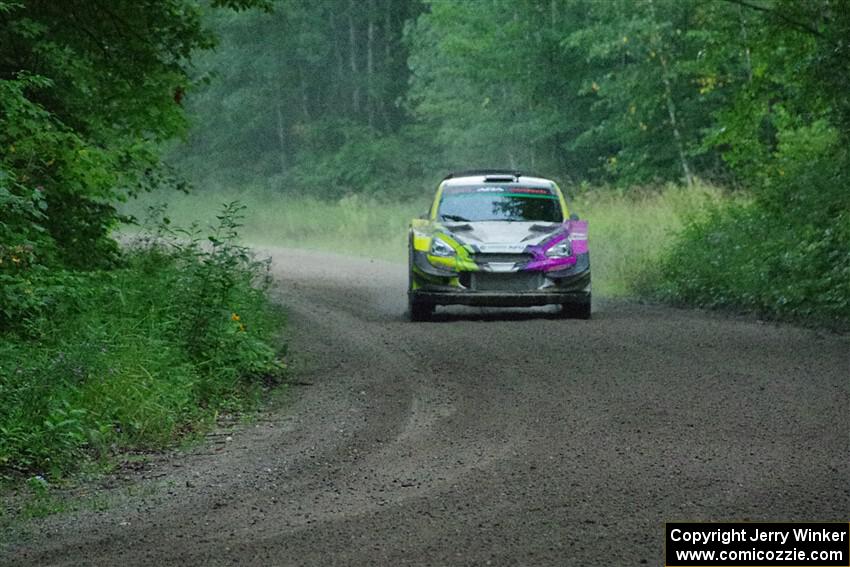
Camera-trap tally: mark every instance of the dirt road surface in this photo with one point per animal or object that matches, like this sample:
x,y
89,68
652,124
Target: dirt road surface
x,y
487,437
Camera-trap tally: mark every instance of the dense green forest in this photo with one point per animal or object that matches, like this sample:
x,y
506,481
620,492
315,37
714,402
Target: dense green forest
x,y
381,97
104,346
346,96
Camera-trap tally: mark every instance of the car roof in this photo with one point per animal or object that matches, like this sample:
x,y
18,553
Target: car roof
x,y
503,176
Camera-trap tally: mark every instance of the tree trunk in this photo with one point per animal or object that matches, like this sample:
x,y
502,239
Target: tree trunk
x,y
305,95
352,58
668,96
388,68
281,129
746,44
370,65
388,27
340,60
671,111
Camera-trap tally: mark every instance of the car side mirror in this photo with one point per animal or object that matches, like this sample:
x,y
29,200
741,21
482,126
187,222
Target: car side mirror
x,y
573,216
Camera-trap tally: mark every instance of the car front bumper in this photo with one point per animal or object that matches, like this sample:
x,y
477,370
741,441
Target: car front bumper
x,y
499,299
506,289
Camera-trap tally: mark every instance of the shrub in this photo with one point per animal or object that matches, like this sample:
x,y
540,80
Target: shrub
x,y
140,353
786,251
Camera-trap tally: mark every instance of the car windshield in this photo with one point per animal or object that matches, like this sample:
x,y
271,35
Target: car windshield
x,y
477,203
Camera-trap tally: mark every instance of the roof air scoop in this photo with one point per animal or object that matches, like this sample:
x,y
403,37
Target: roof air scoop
x,y
500,178
498,175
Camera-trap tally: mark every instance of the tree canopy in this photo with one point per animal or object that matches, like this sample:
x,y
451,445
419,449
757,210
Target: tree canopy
x,y
346,96
89,92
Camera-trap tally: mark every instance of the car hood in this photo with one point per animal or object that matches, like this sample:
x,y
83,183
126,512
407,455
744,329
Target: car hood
x,y
503,233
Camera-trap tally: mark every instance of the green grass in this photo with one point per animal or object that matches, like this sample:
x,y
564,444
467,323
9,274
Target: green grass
x,y
631,232
628,231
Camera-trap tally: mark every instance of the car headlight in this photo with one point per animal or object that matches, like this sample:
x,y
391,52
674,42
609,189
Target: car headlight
x,y
439,247
560,250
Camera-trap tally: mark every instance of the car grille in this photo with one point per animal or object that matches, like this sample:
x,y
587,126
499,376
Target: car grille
x,y
511,282
486,258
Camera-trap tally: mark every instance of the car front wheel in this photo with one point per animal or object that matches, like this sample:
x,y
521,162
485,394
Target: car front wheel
x,y
577,310
417,309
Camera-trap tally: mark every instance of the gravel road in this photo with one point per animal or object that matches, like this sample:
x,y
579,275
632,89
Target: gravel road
x,y
486,437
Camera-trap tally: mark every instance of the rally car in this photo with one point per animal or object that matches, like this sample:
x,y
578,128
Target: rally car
x,y
498,238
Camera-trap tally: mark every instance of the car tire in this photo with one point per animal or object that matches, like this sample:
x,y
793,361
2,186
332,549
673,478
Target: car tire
x,y
418,310
577,310
410,268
